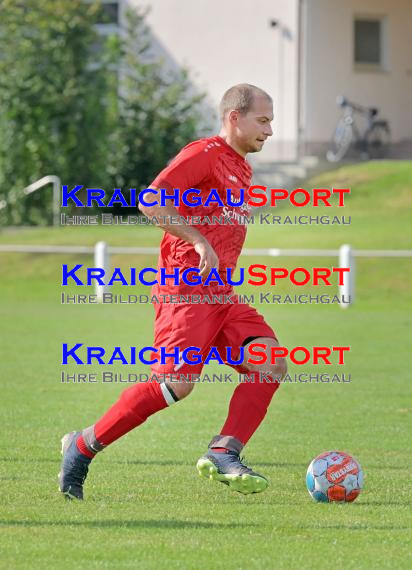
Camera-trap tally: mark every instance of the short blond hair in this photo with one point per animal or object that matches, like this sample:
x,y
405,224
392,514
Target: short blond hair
x,y
240,98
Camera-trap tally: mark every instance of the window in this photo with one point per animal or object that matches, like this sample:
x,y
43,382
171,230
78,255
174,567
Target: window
x,y
369,44
110,12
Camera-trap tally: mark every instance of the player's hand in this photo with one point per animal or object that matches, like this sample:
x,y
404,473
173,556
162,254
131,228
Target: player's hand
x,y
208,258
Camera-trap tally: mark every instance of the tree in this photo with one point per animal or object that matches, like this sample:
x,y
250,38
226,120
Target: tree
x,y
53,102
159,109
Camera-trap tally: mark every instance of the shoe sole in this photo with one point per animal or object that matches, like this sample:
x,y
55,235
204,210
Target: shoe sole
x,y
65,442
245,484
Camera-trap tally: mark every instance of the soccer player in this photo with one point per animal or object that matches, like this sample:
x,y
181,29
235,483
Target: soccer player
x,y
216,162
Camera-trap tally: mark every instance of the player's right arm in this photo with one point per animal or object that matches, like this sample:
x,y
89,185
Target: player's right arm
x,y
208,258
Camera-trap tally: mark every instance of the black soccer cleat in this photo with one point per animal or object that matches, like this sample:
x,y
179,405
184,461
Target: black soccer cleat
x,y
227,467
74,467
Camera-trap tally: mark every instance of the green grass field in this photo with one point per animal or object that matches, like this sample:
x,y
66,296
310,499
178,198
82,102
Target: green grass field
x,y
145,505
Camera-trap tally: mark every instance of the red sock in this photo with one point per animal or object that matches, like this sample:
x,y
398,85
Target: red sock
x,y
81,446
219,450
248,407
133,408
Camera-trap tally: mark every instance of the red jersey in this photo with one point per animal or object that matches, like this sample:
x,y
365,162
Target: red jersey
x,y
206,164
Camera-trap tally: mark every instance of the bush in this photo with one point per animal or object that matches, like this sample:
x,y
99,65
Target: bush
x,y
105,119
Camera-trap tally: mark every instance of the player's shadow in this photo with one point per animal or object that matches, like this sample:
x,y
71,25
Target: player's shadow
x,y
180,524
150,523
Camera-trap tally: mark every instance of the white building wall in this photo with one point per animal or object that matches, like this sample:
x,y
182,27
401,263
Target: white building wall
x,y
231,41
330,70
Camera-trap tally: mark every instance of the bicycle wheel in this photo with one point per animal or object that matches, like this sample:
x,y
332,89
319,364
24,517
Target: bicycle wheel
x,y
342,140
377,140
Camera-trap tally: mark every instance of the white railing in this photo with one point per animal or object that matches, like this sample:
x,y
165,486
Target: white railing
x,y
272,252
50,179
102,252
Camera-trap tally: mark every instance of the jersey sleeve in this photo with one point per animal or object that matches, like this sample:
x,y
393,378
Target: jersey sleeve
x,y
186,170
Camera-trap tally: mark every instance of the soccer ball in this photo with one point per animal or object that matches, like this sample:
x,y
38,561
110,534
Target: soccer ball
x,y
334,476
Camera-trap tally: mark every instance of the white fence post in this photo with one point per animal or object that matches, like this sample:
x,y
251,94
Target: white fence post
x,y
102,261
347,290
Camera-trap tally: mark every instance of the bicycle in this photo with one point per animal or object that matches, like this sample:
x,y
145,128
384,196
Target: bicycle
x,y
372,143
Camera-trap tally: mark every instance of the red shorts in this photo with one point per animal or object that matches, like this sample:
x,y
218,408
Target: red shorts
x,y
203,326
